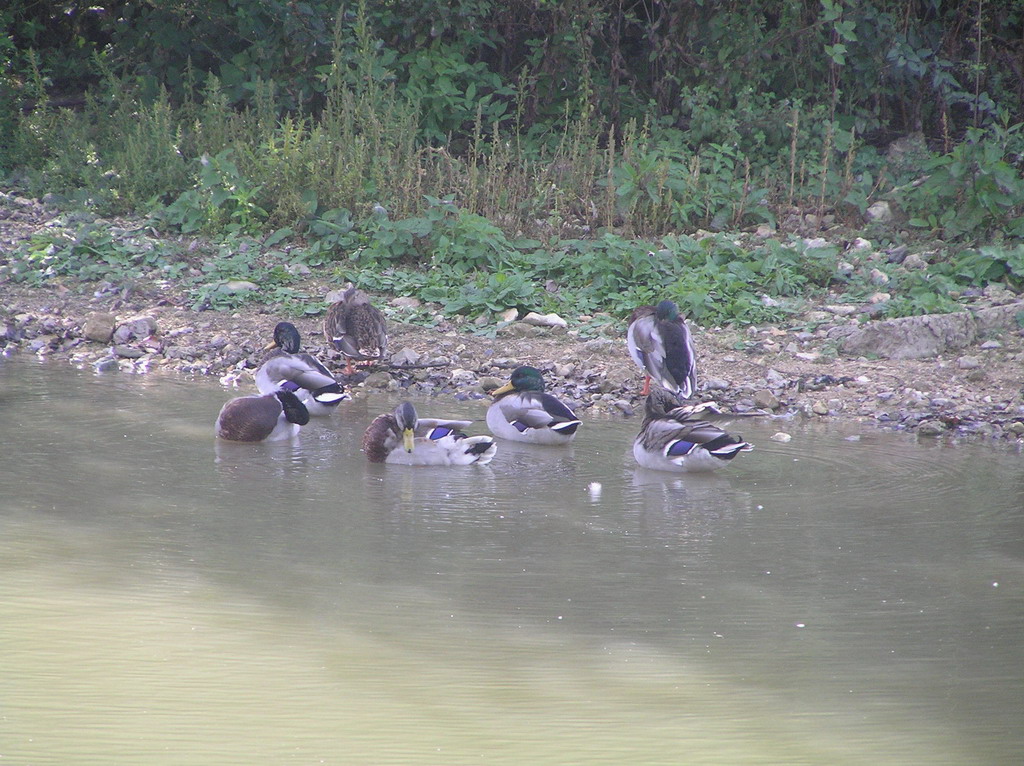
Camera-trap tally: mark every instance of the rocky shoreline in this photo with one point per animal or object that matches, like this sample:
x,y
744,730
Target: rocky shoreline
x,y
950,376
971,387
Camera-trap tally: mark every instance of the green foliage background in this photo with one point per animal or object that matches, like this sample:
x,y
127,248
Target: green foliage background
x,y
502,143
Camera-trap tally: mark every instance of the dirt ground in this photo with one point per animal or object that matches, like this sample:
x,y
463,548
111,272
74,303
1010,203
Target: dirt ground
x,y
974,391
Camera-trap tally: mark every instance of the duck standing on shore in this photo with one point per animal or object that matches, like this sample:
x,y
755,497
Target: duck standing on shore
x,y
356,328
659,342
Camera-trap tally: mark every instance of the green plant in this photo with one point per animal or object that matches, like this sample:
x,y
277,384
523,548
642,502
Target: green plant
x,y
973,190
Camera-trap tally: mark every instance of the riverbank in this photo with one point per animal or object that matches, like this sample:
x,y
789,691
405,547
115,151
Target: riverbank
x,y
962,375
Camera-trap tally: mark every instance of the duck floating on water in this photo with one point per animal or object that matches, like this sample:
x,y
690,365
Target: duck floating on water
x,y
402,437
262,417
673,439
301,373
523,412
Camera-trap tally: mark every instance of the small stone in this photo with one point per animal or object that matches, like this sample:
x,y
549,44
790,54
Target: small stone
x,y
99,327
128,352
991,344
877,298
545,320
931,428
841,310
106,364
239,286
878,277
879,212
715,384
764,231
406,302
781,436
509,315
766,400
626,408
860,244
489,383
378,380
405,356
968,363
914,262
520,330
1016,428
819,408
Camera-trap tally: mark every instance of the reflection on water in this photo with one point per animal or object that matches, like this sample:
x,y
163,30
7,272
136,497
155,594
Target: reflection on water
x,y
165,598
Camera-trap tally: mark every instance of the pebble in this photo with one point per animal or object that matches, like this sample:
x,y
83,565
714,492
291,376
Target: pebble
x,y
968,363
545,320
931,428
99,327
766,400
781,436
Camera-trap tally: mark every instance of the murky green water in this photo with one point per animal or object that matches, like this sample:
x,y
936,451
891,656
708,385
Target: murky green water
x,y
167,599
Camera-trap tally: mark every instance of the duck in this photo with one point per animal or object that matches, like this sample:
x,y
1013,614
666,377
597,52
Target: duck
x,y
402,437
356,328
659,342
673,439
522,412
301,373
262,417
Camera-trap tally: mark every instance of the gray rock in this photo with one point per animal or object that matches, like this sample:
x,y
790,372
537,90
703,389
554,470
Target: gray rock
x,y
879,212
407,302
99,327
545,320
379,380
405,356
931,428
968,363
914,262
924,336
766,400
106,364
239,286
520,330
128,352
715,384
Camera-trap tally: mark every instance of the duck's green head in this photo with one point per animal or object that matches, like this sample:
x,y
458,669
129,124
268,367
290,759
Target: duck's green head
x,y
286,337
406,418
523,379
667,311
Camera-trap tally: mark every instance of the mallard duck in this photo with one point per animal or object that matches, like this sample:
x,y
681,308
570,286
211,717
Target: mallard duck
x,y
301,373
660,344
262,417
671,439
522,411
403,437
356,328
